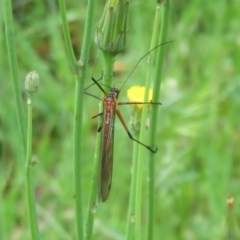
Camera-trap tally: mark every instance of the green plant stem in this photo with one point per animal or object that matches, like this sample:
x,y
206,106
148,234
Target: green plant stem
x,y
163,17
141,153
108,61
138,195
78,110
131,205
151,162
12,57
77,153
94,186
155,77
78,106
28,169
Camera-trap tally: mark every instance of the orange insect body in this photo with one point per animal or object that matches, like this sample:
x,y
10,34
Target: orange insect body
x,y
108,117
107,142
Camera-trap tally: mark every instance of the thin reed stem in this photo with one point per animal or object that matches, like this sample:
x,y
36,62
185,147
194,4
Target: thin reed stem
x,y
28,171
138,195
131,204
159,36
153,75
92,205
78,104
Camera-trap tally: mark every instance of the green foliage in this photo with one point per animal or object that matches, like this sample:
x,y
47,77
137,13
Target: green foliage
x,y
198,131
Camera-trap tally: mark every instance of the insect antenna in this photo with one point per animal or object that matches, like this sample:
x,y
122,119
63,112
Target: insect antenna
x,y
140,59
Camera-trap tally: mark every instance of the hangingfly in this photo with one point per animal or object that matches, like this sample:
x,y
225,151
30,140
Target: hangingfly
x,y
107,138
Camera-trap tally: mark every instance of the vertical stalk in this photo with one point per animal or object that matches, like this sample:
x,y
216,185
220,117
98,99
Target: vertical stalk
x,y
78,104
138,194
108,60
32,82
28,170
92,205
77,152
141,152
78,110
153,74
164,9
131,205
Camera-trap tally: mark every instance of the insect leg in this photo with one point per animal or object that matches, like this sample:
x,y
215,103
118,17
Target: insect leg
x,y
129,103
92,95
100,127
153,150
99,114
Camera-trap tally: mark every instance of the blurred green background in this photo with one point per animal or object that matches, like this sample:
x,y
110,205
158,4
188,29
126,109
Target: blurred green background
x,y
198,134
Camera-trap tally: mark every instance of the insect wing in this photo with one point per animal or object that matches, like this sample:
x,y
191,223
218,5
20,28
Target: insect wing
x,y
107,142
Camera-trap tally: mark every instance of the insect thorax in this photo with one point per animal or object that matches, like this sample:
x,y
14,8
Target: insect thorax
x,y
113,93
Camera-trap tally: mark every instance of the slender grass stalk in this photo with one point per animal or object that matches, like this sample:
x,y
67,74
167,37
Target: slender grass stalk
x,y
78,110
12,57
141,156
31,86
77,153
151,162
159,34
92,205
131,205
28,170
138,194
78,107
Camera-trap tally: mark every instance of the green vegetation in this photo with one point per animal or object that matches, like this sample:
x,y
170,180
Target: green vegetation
x,y
198,128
